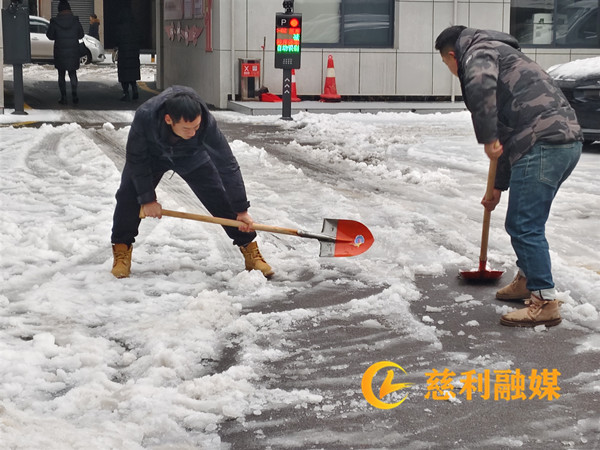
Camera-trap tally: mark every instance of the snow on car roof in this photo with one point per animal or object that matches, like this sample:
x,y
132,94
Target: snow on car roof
x,y
580,68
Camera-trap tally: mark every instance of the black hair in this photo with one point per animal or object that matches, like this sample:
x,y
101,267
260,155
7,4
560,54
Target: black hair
x,y
63,5
183,105
447,39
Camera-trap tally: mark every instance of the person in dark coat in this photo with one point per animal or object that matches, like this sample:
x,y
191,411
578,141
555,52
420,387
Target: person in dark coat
x,y
94,26
175,131
128,61
66,30
523,119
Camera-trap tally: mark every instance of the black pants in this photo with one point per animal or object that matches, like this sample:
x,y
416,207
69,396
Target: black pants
x,y
204,181
125,86
62,84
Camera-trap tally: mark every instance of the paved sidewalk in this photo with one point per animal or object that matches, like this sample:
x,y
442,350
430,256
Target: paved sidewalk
x,y
267,108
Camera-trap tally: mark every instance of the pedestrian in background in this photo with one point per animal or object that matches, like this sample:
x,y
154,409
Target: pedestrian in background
x,y
66,30
128,61
525,121
94,26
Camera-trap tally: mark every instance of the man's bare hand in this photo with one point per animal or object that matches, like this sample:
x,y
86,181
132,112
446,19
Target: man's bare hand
x,y
491,204
493,149
153,209
248,222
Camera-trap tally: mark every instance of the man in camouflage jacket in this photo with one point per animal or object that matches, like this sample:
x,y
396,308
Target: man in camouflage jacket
x,y
525,122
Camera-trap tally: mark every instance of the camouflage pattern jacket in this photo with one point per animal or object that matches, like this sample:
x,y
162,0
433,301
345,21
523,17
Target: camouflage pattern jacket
x,y
510,98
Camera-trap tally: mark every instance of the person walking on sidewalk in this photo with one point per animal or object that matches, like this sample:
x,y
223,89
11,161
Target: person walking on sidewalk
x,y
66,30
128,61
94,26
524,120
175,131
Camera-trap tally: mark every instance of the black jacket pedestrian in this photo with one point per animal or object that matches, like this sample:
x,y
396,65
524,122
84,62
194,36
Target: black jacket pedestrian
x,y
150,140
65,30
128,43
94,28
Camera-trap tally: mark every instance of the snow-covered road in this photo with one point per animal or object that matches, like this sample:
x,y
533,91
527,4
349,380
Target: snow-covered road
x,y
191,351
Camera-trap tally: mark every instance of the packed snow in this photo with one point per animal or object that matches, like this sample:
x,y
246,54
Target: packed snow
x,y
89,361
579,68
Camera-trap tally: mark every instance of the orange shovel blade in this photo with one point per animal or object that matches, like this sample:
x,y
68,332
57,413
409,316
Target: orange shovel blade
x,y
351,238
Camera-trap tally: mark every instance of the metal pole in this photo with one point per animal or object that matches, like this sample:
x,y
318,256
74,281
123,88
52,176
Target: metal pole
x,y
233,67
18,89
262,69
452,79
286,105
1,73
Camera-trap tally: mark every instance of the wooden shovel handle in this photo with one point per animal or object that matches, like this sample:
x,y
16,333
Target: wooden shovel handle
x,y
223,221
489,194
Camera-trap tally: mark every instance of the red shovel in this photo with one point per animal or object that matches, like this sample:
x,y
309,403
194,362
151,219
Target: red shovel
x,y
338,237
483,273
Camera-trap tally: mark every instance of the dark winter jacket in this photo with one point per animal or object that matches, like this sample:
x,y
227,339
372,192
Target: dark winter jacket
x,y
65,30
95,29
150,139
510,98
128,42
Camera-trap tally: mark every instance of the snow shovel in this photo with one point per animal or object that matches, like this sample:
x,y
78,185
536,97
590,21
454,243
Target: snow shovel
x,y
483,273
337,238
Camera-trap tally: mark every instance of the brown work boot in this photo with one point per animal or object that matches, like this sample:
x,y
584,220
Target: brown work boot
x,y
122,260
516,290
538,312
255,261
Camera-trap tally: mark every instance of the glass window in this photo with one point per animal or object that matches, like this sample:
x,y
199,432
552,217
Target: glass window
x,y
37,27
320,21
347,23
557,23
577,23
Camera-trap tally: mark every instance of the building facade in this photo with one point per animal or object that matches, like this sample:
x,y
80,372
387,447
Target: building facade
x,y
380,48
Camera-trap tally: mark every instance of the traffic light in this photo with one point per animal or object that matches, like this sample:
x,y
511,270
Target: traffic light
x,y
288,34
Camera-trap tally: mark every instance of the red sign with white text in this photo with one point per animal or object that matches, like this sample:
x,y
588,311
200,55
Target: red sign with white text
x,y
250,70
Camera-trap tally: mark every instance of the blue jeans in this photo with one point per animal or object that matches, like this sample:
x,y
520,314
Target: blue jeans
x,y
534,182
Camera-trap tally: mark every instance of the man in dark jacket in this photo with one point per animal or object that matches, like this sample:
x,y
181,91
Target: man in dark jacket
x,y
524,121
94,30
175,131
66,30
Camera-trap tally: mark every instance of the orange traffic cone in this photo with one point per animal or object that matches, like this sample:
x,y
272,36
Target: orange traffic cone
x,y
295,97
330,91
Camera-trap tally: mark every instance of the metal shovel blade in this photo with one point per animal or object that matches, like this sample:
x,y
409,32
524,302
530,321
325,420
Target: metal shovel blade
x,y
481,274
348,238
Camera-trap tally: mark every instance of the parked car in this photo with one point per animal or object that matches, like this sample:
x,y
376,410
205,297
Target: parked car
x,y
42,48
580,82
